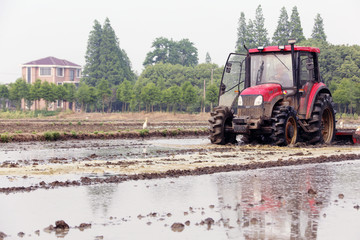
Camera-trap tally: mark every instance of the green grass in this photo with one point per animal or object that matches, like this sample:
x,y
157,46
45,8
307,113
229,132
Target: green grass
x,y
5,138
51,136
144,132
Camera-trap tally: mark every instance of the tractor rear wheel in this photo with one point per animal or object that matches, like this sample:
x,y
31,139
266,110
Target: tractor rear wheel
x,y
221,126
285,127
322,122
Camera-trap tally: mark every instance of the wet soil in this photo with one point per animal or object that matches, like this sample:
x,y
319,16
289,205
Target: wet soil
x,y
118,161
39,130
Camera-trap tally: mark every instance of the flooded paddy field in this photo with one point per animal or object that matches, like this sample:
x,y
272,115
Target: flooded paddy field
x,y
177,188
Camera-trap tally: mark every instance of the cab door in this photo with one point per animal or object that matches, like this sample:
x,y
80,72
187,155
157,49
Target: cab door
x,y
308,76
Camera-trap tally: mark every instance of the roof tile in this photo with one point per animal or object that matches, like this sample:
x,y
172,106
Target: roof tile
x,y
52,61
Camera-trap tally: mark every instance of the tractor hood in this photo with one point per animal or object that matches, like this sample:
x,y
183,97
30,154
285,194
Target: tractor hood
x,y
268,91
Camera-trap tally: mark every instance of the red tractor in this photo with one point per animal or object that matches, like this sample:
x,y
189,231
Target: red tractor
x,y
275,95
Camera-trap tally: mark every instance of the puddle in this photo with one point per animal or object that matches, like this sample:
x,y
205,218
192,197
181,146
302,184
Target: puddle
x,y
314,201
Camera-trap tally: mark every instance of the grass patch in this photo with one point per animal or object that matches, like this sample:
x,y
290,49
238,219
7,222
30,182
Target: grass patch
x,y
144,132
52,136
164,132
5,138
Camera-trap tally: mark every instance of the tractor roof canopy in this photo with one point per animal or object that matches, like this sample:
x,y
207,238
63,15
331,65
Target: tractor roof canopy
x,y
286,48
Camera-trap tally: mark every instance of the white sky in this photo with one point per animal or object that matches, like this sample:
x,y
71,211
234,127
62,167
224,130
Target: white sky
x,y
34,29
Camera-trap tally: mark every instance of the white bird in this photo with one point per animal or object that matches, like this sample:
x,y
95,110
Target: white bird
x,y
145,123
341,124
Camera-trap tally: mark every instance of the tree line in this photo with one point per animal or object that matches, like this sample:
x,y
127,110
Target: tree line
x,y
173,78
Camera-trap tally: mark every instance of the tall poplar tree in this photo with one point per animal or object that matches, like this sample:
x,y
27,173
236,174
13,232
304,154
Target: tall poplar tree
x,y
241,33
104,57
251,39
109,59
318,31
282,32
296,31
92,58
260,32
207,58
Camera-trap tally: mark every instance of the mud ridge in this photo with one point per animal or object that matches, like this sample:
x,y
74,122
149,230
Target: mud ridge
x,y
27,137
177,173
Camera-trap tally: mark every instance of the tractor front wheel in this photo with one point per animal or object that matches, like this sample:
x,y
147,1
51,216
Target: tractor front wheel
x,y
221,129
285,128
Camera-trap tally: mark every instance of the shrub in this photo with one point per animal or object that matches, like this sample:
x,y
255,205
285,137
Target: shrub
x,y
164,133
144,132
79,123
48,136
174,132
5,138
356,116
56,136
73,133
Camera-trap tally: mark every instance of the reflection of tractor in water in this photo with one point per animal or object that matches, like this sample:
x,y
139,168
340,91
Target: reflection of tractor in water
x,y
273,94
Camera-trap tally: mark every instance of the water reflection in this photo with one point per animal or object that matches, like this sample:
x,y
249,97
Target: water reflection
x,y
100,198
274,204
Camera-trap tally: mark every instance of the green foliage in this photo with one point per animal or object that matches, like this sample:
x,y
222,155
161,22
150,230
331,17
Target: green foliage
x,y
318,31
52,136
296,31
18,91
260,32
182,52
103,92
4,94
5,138
104,58
282,32
144,132
164,132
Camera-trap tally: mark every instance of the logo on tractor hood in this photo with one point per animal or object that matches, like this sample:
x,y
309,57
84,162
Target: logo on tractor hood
x,y
268,91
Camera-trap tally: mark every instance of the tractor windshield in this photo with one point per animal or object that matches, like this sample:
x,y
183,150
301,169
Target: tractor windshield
x,y
233,79
273,67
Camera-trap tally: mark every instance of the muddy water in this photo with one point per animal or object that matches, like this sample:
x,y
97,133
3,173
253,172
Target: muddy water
x,y
315,201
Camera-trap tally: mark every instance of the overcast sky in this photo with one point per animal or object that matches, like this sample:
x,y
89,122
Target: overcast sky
x,y
34,29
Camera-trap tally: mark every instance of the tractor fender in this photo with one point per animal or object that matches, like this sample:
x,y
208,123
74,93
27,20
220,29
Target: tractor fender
x,y
269,106
317,88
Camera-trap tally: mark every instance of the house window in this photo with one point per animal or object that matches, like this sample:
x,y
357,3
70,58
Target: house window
x,y
72,75
45,71
59,83
28,74
60,72
78,73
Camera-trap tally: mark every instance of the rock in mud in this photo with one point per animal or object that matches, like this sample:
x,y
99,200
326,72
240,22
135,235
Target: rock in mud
x,y
177,227
83,226
21,234
341,196
49,229
208,221
2,235
311,191
61,225
187,223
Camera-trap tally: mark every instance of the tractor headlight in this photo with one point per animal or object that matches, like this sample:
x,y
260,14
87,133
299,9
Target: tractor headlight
x,y
240,101
258,100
